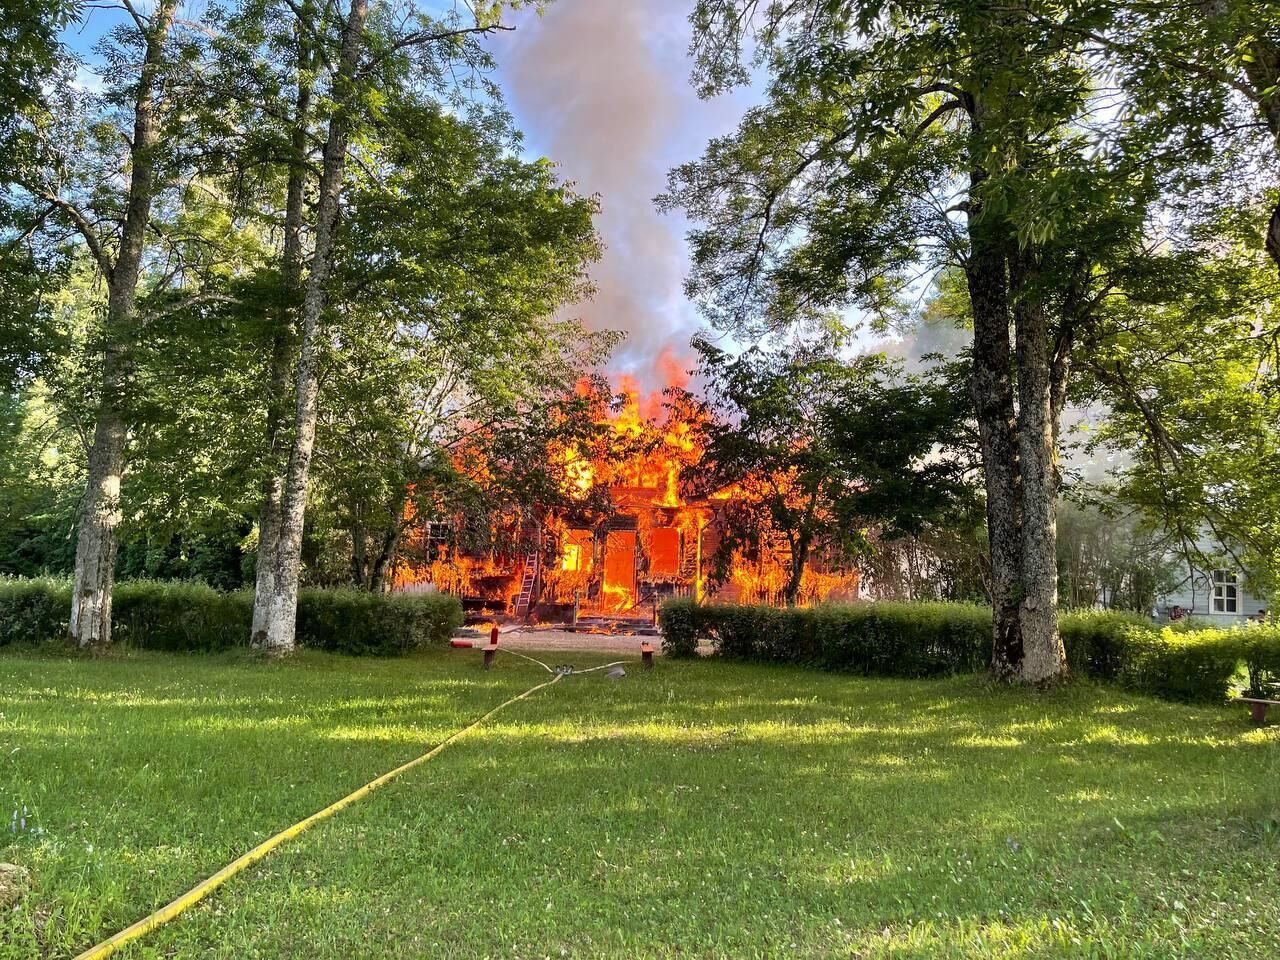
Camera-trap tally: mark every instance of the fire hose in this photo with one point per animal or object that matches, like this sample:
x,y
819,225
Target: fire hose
x,y
197,893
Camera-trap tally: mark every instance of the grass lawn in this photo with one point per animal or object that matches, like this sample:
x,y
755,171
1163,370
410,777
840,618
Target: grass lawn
x,y
702,810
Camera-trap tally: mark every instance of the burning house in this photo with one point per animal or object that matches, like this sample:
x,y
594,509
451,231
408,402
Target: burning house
x,y
649,542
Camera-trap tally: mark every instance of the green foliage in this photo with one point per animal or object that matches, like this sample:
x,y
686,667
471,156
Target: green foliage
x,y
931,639
1194,665
33,611
362,623
819,448
1260,646
188,617
872,639
180,616
680,623
1095,640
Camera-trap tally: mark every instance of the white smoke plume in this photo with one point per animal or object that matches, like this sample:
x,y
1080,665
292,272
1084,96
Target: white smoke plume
x,y
602,88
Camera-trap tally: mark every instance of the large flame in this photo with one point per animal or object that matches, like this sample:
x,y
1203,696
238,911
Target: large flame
x,y
657,542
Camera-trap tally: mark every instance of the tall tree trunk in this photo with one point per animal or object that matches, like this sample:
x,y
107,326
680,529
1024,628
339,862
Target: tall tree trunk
x,y
385,560
279,613
282,343
992,386
1263,71
359,547
1043,659
799,558
100,514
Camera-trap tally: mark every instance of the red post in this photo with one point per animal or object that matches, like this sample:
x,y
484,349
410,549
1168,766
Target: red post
x,y
1259,710
646,654
493,636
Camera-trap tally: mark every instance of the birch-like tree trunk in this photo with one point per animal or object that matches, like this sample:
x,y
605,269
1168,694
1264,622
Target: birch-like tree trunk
x,y
281,359
100,511
276,611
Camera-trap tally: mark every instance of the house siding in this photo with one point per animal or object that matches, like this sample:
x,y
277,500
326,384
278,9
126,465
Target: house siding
x,y
1195,596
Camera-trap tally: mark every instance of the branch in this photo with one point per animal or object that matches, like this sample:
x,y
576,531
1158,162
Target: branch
x,y
85,228
424,37
937,113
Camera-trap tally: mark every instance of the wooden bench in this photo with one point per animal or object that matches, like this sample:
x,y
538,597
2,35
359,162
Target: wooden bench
x,y
1258,707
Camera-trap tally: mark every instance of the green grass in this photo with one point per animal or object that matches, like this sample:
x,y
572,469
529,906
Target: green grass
x,y
703,810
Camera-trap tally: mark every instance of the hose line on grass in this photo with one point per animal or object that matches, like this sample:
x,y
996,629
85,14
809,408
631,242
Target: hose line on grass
x,y
202,889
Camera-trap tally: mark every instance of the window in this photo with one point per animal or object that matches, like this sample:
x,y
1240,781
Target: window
x,y
572,557
1226,592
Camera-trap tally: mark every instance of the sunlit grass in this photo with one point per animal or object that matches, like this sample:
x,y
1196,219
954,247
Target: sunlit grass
x,y
703,809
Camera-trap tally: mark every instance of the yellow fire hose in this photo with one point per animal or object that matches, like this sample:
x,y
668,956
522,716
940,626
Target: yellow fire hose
x,y
202,889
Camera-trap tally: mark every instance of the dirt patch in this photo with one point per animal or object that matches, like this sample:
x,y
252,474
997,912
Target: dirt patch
x,y
533,638
14,883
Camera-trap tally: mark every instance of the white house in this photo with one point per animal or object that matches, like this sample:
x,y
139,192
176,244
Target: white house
x,y
1218,595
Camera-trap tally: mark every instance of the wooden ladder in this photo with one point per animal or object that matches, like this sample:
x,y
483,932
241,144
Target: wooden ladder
x,y
526,583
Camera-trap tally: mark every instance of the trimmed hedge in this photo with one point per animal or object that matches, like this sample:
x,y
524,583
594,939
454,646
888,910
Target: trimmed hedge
x,y
189,616
881,639
929,639
1260,650
1194,665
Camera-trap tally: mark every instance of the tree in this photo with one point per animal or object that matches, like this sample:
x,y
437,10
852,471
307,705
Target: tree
x,y
1189,386
1203,81
375,58
77,178
899,140
816,450
452,264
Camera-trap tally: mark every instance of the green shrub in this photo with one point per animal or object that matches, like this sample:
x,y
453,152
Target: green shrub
x,y
873,639
1095,640
190,616
1176,665
179,616
1260,649
375,624
678,619
929,639
34,611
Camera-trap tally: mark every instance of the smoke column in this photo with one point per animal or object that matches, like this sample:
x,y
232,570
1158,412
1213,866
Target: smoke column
x,y
602,88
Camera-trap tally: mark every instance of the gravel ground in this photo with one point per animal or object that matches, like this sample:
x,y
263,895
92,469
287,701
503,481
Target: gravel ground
x,y
526,638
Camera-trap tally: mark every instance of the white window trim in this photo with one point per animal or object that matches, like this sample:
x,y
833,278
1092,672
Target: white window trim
x,y
1226,591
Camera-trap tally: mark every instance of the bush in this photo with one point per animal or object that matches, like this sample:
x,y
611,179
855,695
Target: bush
x,y
1260,649
678,619
189,616
34,611
884,639
929,639
179,616
1176,665
1095,640
375,624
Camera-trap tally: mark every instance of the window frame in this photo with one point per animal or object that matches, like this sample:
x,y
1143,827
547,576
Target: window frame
x,y
1225,595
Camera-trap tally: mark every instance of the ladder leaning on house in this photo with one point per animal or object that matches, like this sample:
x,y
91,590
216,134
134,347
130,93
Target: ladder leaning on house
x,y
526,583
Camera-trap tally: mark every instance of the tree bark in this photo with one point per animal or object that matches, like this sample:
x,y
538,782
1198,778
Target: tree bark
x,y
1043,658
282,343
992,386
383,562
799,557
96,542
279,608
